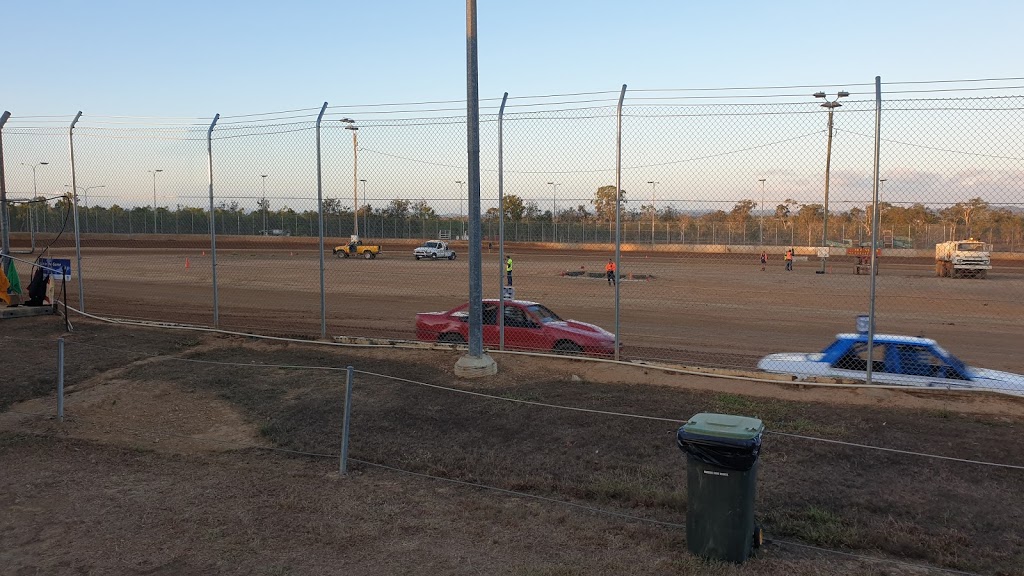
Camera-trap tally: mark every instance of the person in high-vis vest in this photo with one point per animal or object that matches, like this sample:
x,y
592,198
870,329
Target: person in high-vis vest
x,y
508,270
609,271
789,259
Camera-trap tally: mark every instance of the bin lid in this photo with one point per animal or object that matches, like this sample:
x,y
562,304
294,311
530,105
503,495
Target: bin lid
x,y
724,426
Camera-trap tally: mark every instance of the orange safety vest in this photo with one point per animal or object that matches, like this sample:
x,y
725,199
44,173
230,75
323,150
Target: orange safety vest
x,y
789,254
609,267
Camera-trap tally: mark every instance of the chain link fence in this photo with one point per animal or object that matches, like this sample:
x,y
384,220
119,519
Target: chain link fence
x,y
715,191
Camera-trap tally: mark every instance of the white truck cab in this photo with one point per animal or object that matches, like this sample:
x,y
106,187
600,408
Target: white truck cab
x,y
434,250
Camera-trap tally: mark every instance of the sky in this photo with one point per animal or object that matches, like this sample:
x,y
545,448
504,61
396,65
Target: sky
x,y
185,58
156,60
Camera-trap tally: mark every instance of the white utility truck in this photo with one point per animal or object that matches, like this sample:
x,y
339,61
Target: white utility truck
x,y
434,250
963,258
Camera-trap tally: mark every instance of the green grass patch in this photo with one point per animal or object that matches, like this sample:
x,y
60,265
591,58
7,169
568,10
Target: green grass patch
x,y
815,525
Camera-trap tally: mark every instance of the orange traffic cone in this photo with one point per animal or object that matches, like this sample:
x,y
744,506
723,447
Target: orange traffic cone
x,y
186,263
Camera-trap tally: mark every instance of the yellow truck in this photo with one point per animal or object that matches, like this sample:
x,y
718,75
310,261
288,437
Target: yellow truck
x,y
356,248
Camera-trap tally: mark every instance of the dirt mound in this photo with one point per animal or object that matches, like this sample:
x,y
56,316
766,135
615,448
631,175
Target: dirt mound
x,y
159,416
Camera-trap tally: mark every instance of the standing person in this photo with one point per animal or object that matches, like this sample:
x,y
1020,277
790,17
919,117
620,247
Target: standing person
x,y
508,270
789,259
764,260
609,271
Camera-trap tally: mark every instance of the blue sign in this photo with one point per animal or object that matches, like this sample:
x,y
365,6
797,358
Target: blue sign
x,y
62,264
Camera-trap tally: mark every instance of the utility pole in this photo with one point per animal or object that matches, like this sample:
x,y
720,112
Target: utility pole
x,y
350,124
831,105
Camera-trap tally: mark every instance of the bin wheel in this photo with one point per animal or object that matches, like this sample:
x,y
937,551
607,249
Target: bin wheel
x,y
758,537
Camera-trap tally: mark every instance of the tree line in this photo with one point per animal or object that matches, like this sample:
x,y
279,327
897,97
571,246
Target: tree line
x,y
970,218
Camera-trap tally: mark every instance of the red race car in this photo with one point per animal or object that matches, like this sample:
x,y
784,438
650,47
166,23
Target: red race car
x,y
528,326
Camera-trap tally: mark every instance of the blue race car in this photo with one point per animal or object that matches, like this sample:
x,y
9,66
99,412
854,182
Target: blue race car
x,y
900,360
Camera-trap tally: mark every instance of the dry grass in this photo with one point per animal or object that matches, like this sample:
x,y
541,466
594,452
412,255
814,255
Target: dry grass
x,y
131,506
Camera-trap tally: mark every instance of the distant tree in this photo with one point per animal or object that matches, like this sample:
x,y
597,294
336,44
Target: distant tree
x,y
604,202
972,210
883,211
668,214
740,213
514,207
332,206
263,204
420,209
577,214
398,208
855,217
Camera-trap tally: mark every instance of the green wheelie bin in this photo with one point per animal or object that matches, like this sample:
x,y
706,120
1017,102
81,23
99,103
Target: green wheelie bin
x,y
721,474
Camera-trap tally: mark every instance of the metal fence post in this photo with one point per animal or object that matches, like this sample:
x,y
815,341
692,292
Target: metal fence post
x,y
5,220
473,152
60,379
874,228
346,420
501,225
74,198
618,223
213,225
320,211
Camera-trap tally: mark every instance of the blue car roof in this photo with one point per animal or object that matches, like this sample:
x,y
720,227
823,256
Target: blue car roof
x,y
888,339
843,342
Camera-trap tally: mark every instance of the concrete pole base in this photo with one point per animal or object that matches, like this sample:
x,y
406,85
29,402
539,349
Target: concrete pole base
x,y
475,366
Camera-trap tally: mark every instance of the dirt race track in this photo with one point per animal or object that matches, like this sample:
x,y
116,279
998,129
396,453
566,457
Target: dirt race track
x,y
194,453
701,309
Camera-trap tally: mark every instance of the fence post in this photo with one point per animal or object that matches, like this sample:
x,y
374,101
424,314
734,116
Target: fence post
x,y
501,224
5,220
347,419
320,211
618,200
60,379
213,225
74,197
876,218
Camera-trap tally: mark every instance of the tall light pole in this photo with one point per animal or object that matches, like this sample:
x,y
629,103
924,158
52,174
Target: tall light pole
x,y
460,183
35,194
831,105
366,227
554,209
350,124
154,172
761,180
653,212
33,167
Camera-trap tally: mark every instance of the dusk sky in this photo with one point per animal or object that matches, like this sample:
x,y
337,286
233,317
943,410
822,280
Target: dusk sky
x,y
182,62
192,59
